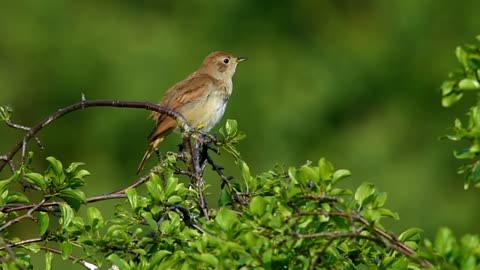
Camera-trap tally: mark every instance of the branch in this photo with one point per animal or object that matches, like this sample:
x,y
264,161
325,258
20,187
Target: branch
x,y
195,168
381,236
93,103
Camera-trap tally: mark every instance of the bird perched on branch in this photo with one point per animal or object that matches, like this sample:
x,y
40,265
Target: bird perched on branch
x,y
201,98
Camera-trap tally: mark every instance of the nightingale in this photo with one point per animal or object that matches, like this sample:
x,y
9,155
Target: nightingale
x,y
201,98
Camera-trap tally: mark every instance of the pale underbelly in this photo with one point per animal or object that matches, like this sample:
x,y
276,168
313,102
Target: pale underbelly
x,y
205,113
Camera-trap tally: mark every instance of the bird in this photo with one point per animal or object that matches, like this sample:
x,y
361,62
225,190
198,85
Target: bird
x,y
201,98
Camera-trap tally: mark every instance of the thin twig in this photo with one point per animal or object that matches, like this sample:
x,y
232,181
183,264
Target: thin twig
x,y
27,215
4,158
11,255
82,262
23,242
24,128
186,217
137,183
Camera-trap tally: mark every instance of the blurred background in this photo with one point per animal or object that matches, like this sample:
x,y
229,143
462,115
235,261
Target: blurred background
x,y
356,82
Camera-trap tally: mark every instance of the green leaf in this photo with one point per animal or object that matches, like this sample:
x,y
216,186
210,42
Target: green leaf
x,y
388,213
73,166
5,112
36,179
225,198
245,171
95,217
462,55
306,174
48,260
154,190
326,169
231,127
55,165
174,199
16,197
209,259
363,192
43,221
80,174
66,249
172,184
448,101
119,262
74,197
410,234
226,218
444,241
67,214
6,182
469,84
258,205
149,219
132,197
340,174
447,87
157,257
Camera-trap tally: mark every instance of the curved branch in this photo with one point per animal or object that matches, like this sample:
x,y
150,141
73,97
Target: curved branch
x,y
93,103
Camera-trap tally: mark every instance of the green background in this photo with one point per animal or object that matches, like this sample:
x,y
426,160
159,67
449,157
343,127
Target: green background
x,y
353,81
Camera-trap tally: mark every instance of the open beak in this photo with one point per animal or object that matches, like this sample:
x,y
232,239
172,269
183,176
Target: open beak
x,y
240,59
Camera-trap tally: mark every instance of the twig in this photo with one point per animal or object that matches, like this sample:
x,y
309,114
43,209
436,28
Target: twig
x,y
27,215
24,128
137,183
4,158
186,217
82,262
195,168
94,103
11,254
219,170
23,242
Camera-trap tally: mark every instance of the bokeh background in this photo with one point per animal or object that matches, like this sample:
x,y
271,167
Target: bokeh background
x,y
356,82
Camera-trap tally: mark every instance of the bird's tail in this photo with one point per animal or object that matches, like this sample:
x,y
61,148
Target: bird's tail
x,y
148,153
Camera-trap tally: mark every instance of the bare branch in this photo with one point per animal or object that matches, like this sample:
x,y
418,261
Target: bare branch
x,y
93,103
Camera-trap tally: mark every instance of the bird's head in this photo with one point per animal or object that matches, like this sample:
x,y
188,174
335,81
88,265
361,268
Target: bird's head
x,y
221,65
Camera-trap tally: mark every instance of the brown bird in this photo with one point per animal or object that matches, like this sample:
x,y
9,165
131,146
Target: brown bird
x,y
201,98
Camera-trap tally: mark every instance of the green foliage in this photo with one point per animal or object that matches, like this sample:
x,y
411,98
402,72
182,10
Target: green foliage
x,y
451,253
466,79
285,218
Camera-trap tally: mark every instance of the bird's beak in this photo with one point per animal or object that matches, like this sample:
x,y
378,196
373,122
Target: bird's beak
x,y
240,59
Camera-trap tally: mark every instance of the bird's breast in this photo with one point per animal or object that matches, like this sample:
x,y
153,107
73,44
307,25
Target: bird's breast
x,y
207,111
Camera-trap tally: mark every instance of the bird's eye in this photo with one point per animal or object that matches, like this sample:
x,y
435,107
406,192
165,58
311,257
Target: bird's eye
x,y
226,60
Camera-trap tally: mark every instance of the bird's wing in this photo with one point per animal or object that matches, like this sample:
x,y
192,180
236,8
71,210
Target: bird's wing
x,y
182,93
